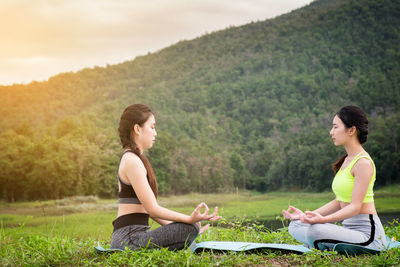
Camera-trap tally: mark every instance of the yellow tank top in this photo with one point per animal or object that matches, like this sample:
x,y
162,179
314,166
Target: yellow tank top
x,y
343,182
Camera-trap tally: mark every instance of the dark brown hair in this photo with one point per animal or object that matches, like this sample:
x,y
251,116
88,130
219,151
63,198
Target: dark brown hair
x,y
352,116
132,115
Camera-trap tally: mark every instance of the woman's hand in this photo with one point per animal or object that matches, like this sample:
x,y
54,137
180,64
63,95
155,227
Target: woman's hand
x,y
311,217
197,216
292,213
204,228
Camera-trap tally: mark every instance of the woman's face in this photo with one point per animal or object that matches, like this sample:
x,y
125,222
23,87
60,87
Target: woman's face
x,y
145,135
339,132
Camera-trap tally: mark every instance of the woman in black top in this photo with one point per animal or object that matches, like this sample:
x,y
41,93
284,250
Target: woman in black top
x,y
138,193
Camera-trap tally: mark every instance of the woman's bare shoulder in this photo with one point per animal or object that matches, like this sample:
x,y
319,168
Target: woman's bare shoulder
x,y
363,165
131,160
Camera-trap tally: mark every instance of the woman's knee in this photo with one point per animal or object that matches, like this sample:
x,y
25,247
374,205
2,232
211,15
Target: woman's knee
x,y
196,228
189,232
295,226
191,229
194,231
316,232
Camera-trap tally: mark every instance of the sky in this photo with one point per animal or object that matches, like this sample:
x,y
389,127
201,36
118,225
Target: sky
x,y
42,38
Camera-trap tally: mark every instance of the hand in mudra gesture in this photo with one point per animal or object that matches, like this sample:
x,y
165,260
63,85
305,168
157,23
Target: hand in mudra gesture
x,y
293,213
197,216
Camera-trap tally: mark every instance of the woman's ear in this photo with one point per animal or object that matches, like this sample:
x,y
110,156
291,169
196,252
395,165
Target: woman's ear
x,y
136,129
353,130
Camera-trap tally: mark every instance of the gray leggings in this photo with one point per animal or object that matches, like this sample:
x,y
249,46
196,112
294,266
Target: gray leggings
x,y
174,236
363,229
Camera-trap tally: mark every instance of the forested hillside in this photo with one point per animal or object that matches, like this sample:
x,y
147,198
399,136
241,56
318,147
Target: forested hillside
x,y
248,107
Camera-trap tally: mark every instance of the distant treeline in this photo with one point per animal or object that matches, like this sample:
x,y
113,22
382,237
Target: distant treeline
x,y
248,107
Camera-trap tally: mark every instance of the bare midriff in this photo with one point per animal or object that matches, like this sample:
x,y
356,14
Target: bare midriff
x,y
124,209
366,208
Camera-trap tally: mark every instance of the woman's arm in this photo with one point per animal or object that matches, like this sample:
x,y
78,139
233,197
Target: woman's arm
x,y
293,213
161,221
328,208
362,172
133,168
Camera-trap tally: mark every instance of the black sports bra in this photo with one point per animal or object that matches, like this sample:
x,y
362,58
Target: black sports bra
x,y
126,194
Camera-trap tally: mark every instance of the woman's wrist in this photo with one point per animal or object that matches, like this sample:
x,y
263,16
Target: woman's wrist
x,y
187,219
325,219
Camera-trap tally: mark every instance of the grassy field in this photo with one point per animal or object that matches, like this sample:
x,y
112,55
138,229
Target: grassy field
x,y
63,232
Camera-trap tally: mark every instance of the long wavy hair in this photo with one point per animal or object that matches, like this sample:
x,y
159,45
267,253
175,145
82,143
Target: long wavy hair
x,y
132,115
352,116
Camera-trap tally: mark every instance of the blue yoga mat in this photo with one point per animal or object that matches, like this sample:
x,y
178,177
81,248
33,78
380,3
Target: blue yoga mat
x,y
227,246
341,248
100,250
221,246
248,247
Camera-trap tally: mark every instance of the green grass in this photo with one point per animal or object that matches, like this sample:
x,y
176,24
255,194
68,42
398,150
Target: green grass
x,y
63,232
56,250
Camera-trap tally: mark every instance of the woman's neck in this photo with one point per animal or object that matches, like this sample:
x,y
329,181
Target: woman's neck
x,y
134,150
353,149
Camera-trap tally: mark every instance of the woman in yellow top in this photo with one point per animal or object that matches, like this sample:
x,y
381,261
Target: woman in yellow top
x,y
352,185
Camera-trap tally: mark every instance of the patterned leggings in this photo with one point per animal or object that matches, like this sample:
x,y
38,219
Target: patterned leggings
x,y
174,236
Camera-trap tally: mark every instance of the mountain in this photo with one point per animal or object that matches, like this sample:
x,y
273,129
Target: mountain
x,y
247,107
